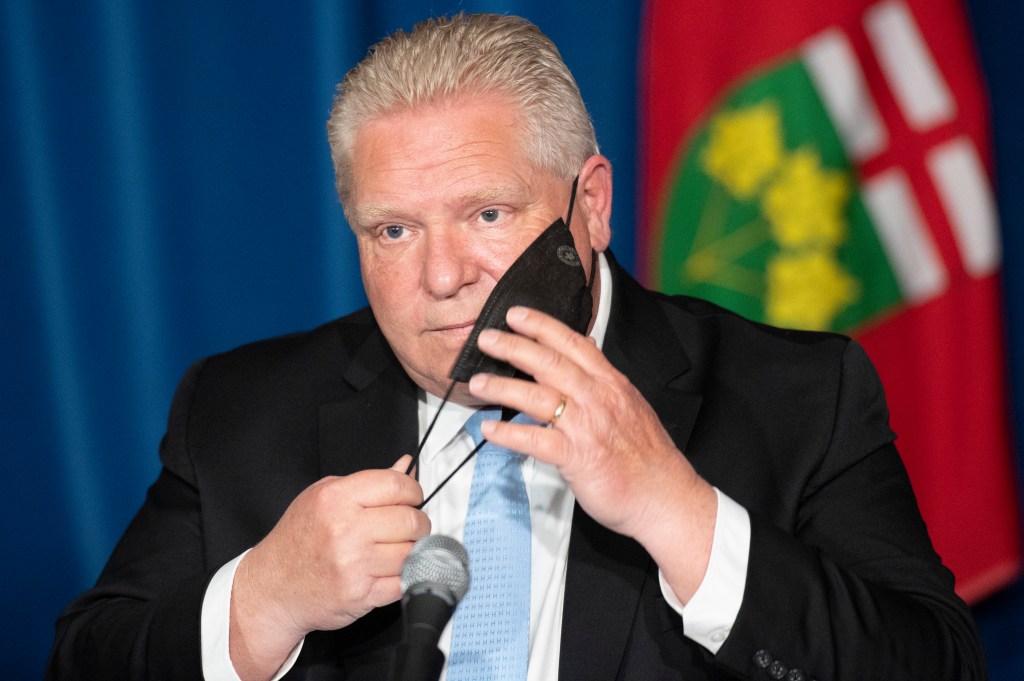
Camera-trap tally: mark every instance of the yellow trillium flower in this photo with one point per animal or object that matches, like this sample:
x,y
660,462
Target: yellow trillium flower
x,y
807,289
805,204
745,148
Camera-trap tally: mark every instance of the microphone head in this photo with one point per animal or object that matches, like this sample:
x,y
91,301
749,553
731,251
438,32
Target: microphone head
x,y
437,560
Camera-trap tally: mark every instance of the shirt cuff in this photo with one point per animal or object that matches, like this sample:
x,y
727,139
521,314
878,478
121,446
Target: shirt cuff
x,y
215,623
711,612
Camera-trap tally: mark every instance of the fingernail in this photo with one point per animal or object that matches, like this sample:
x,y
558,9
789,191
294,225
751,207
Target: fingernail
x,y
487,337
516,314
477,382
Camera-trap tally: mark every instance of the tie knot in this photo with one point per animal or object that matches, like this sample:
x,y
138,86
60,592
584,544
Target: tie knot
x,y
474,422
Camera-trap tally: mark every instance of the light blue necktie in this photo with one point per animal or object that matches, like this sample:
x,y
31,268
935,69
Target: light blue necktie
x,y
491,631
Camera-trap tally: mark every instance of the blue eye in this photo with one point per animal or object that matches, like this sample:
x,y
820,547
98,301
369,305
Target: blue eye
x,y
490,215
394,231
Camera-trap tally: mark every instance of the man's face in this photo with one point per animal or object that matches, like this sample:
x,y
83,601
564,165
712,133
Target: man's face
x,y
443,201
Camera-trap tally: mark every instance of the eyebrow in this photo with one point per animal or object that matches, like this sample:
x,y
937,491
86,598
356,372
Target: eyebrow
x,y
488,194
385,211
375,213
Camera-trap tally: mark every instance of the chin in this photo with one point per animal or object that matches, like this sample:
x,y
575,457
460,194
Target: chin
x,y
432,375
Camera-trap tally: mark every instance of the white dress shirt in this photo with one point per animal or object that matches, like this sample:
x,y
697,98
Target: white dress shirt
x,y
707,618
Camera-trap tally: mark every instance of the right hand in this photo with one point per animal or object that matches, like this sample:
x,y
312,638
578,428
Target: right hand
x,y
335,555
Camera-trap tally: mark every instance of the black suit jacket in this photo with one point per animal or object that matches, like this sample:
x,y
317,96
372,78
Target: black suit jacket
x,y
842,581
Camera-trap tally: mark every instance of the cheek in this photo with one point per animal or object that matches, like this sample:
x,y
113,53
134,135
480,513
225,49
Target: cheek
x,y
391,290
496,258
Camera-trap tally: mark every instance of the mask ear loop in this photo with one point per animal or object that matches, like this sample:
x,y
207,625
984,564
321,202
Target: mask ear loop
x,y
452,474
416,456
568,221
430,428
451,386
572,201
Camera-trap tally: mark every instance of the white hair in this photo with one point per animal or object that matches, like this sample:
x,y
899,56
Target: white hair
x,y
467,55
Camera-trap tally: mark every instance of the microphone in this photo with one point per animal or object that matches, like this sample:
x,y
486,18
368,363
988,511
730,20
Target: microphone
x,y
435,577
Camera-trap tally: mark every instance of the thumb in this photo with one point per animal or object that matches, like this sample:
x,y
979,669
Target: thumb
x,y
403,463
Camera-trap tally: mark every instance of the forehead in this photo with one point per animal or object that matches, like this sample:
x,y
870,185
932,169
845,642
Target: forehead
x,y
456,148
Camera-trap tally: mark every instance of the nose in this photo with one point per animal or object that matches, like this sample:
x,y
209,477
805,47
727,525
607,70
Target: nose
x,y
449,263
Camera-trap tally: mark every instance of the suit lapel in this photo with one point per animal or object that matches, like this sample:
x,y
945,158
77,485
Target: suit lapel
x,y
370,427
606,571
602,591
377,423
647,346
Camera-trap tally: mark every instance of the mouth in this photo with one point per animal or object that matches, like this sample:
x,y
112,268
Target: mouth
x,y
457,330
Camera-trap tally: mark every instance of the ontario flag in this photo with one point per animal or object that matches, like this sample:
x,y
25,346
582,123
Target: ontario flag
x,y
825,165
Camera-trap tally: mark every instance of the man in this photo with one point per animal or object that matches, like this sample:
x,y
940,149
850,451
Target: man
x,y
709,498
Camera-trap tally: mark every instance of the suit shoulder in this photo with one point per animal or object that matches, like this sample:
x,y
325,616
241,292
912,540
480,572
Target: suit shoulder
x,y
343,335
784,366
311,361
733,331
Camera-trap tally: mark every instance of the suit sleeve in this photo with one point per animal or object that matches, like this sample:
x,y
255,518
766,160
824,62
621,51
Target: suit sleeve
x,y
852,589
141,619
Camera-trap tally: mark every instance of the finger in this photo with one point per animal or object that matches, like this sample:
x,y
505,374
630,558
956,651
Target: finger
x,y
386,560
384,591
543,444
387,487
390,524
405,465
548,366
536,401
552,333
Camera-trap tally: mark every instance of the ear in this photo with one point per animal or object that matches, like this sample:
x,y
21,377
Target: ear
x,y
594,197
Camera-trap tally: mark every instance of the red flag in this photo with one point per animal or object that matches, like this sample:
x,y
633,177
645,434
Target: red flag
x,y
827,165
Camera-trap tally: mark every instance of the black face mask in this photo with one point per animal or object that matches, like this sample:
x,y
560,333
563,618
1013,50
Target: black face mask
x,y
548,277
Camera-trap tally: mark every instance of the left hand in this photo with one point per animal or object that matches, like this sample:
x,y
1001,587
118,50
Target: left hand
x,y
608,443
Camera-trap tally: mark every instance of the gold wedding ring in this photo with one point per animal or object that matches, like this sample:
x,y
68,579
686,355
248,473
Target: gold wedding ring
x,y
558,412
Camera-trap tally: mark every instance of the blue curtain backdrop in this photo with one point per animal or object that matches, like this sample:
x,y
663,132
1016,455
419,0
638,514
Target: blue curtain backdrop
x,y
166,192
